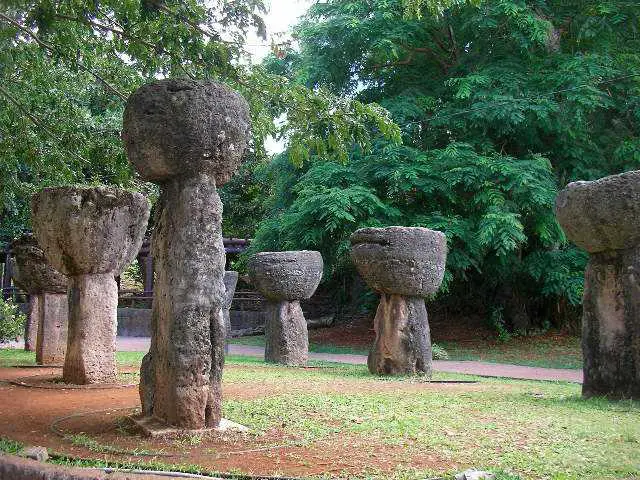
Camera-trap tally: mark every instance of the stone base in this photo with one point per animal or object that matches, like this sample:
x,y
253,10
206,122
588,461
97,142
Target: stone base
x,y
51,343
91,343
610,327
403,341
152,427
286,335
31,327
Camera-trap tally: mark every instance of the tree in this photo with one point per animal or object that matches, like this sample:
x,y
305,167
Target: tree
x,y
67,67
499,102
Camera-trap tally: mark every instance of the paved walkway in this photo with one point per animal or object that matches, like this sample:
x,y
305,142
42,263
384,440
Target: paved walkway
x,y
141,344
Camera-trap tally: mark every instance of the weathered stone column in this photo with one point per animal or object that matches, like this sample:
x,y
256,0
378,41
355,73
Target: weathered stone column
x,y
91,235
403,264
285,278
46,330
603,217
188,137
230,282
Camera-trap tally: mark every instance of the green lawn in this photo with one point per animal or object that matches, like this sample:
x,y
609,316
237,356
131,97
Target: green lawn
x,y
538,351
521,429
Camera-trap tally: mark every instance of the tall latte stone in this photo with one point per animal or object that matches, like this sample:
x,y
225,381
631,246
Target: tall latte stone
x,y
403,264
46,329
285,278
188,137
603,218
91,235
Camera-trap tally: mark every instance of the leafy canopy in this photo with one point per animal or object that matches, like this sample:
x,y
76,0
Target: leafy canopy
x,y
499,102
67,67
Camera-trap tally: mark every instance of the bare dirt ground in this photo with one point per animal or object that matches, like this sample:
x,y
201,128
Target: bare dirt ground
x,y
34,415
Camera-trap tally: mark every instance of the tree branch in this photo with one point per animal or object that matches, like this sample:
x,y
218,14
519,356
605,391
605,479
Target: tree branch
x,y
52,49
35,120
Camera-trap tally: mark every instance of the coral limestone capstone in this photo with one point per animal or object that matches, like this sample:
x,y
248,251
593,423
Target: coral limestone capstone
x,y
293,275
400,260
176,127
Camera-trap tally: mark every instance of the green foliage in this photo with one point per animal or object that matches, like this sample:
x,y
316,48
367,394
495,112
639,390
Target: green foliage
x,y
12,320
439,353
500,103
67,67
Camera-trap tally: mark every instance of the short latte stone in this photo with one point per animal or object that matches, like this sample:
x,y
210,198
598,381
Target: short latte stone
x,y
285,278
189,137
403,264
90,235
603,217
46,329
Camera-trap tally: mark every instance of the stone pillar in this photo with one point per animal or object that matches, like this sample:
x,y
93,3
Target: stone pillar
x,y
91,235
285,278
603,218
230,282
52,339
31,327
188,137
404,265
46,330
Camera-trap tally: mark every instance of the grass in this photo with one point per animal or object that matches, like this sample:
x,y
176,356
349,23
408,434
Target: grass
x,y
540,430
519,429
258,341
547,351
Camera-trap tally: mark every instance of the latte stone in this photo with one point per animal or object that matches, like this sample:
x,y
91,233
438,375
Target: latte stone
x,y
46,329
90,235
403,265
188,137
603,218
285,278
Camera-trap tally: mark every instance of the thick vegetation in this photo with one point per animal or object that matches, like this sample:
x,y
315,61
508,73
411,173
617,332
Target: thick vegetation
x,y
68,66
500,103
495,105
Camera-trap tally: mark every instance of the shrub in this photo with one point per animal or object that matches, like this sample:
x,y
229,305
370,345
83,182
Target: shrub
x,y
12,320
438,352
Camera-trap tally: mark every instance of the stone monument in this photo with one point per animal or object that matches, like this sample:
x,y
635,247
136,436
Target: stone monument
x,y
189,137
404,265
91,235
603,218
285,278
46,330
230,282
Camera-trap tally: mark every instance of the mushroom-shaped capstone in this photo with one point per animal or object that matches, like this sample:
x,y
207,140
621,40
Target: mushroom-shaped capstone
x,y
285,278
46,329
91,235
403,264
603,217
189,137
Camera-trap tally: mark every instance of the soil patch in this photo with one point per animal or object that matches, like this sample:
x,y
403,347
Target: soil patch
x,y
92,423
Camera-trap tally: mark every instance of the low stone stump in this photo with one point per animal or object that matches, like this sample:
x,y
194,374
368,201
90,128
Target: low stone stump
x,y
91,235
603,218
403,264
230,282
46,330
285,278
188,137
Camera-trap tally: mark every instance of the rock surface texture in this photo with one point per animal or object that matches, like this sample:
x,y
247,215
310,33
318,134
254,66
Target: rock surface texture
x,y
189,137
403,264
91,235
46,329
230,282
285,278
602,217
